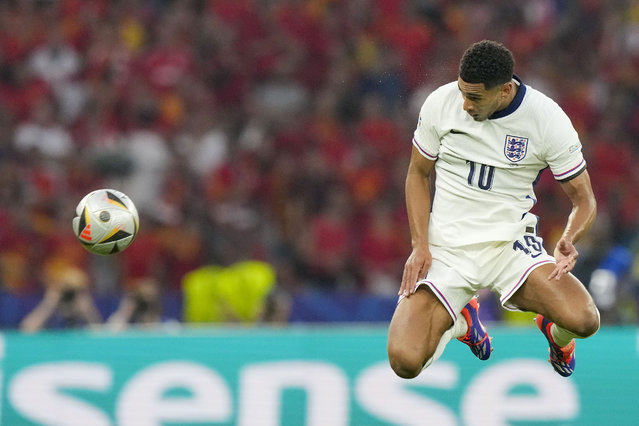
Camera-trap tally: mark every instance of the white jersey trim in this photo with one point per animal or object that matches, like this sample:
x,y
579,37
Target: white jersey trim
x,y
423,151
574,171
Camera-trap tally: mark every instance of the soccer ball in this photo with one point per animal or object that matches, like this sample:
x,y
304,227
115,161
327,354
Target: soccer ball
x,y
106,221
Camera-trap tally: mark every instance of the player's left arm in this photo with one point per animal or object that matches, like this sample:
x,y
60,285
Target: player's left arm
x,y
582,216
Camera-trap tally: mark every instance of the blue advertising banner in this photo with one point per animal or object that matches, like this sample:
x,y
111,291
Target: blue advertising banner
x,y
307,376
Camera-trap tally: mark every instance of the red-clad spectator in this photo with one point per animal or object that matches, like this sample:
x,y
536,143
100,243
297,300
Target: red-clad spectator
x,y
169,58
381,249
378,132
328,250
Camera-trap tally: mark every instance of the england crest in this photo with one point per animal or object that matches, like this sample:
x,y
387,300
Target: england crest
x,y
515,148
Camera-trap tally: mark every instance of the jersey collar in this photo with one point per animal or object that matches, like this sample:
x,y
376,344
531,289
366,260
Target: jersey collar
x,y
519,97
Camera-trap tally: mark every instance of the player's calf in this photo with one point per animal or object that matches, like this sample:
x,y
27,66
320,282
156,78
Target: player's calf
x,y
580,321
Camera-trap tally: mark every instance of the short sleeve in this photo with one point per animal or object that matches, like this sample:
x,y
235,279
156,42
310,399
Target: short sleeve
x,y
425,138
563,154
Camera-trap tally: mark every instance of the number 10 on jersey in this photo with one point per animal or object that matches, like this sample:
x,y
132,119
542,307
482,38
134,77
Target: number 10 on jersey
x,y
485,178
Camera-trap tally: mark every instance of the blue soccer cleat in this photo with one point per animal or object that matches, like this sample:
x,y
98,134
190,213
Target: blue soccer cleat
x,y
477,337
561,359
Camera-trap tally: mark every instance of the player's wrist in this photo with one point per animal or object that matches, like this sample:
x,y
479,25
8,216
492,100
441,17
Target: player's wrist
x,y
419,243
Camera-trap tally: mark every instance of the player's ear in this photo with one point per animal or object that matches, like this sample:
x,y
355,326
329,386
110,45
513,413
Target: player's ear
x,y
507,88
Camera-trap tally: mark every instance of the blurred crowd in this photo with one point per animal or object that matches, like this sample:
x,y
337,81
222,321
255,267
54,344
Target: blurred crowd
x,y
280,131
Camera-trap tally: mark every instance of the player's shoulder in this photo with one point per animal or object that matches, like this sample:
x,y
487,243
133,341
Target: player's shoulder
x,y
441,96
445,90
540,101
552,124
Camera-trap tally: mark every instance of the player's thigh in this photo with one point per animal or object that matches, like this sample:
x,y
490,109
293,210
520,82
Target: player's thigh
x,y
565,301
418,324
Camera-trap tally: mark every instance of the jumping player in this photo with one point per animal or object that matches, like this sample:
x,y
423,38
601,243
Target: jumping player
x,y
488,136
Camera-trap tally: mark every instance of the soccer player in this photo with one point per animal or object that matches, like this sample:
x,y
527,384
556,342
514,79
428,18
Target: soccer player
x,y
488,136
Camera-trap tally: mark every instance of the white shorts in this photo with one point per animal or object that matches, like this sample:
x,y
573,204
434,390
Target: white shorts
x,y
457,273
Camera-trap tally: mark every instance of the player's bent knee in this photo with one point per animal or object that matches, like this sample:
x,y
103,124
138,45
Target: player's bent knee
x,y
405,370
587,323
405,365
590,324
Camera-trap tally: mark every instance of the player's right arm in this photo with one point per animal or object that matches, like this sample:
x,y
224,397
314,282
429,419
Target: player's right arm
x,y
418,202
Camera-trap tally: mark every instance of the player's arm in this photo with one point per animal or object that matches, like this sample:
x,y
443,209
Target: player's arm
x,y
582,216
418,199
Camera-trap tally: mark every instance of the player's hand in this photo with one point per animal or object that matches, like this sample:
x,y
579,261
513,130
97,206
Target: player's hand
x,y
415,269
566,256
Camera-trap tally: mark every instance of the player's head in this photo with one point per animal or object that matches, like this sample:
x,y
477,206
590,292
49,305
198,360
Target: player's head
x,y
487,62
485,78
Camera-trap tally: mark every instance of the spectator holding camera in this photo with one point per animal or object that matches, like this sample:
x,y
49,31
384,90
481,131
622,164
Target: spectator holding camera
x,y
67,304
140,307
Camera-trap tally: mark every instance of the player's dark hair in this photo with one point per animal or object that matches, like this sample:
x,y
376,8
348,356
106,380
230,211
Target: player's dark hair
x,y
487,62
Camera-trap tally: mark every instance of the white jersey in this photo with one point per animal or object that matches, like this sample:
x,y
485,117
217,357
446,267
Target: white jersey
x,y
485,170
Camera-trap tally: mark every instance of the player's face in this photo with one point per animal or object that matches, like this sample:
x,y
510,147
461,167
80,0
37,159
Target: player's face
x,y
481,103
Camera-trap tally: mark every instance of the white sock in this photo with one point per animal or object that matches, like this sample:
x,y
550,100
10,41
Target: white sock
x,y
561,336
458,329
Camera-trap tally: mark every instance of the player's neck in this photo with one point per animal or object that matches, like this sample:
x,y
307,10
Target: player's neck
x,y
511,96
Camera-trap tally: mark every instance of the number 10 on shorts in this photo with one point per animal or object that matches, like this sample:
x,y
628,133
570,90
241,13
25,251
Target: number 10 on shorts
x,y
531,246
